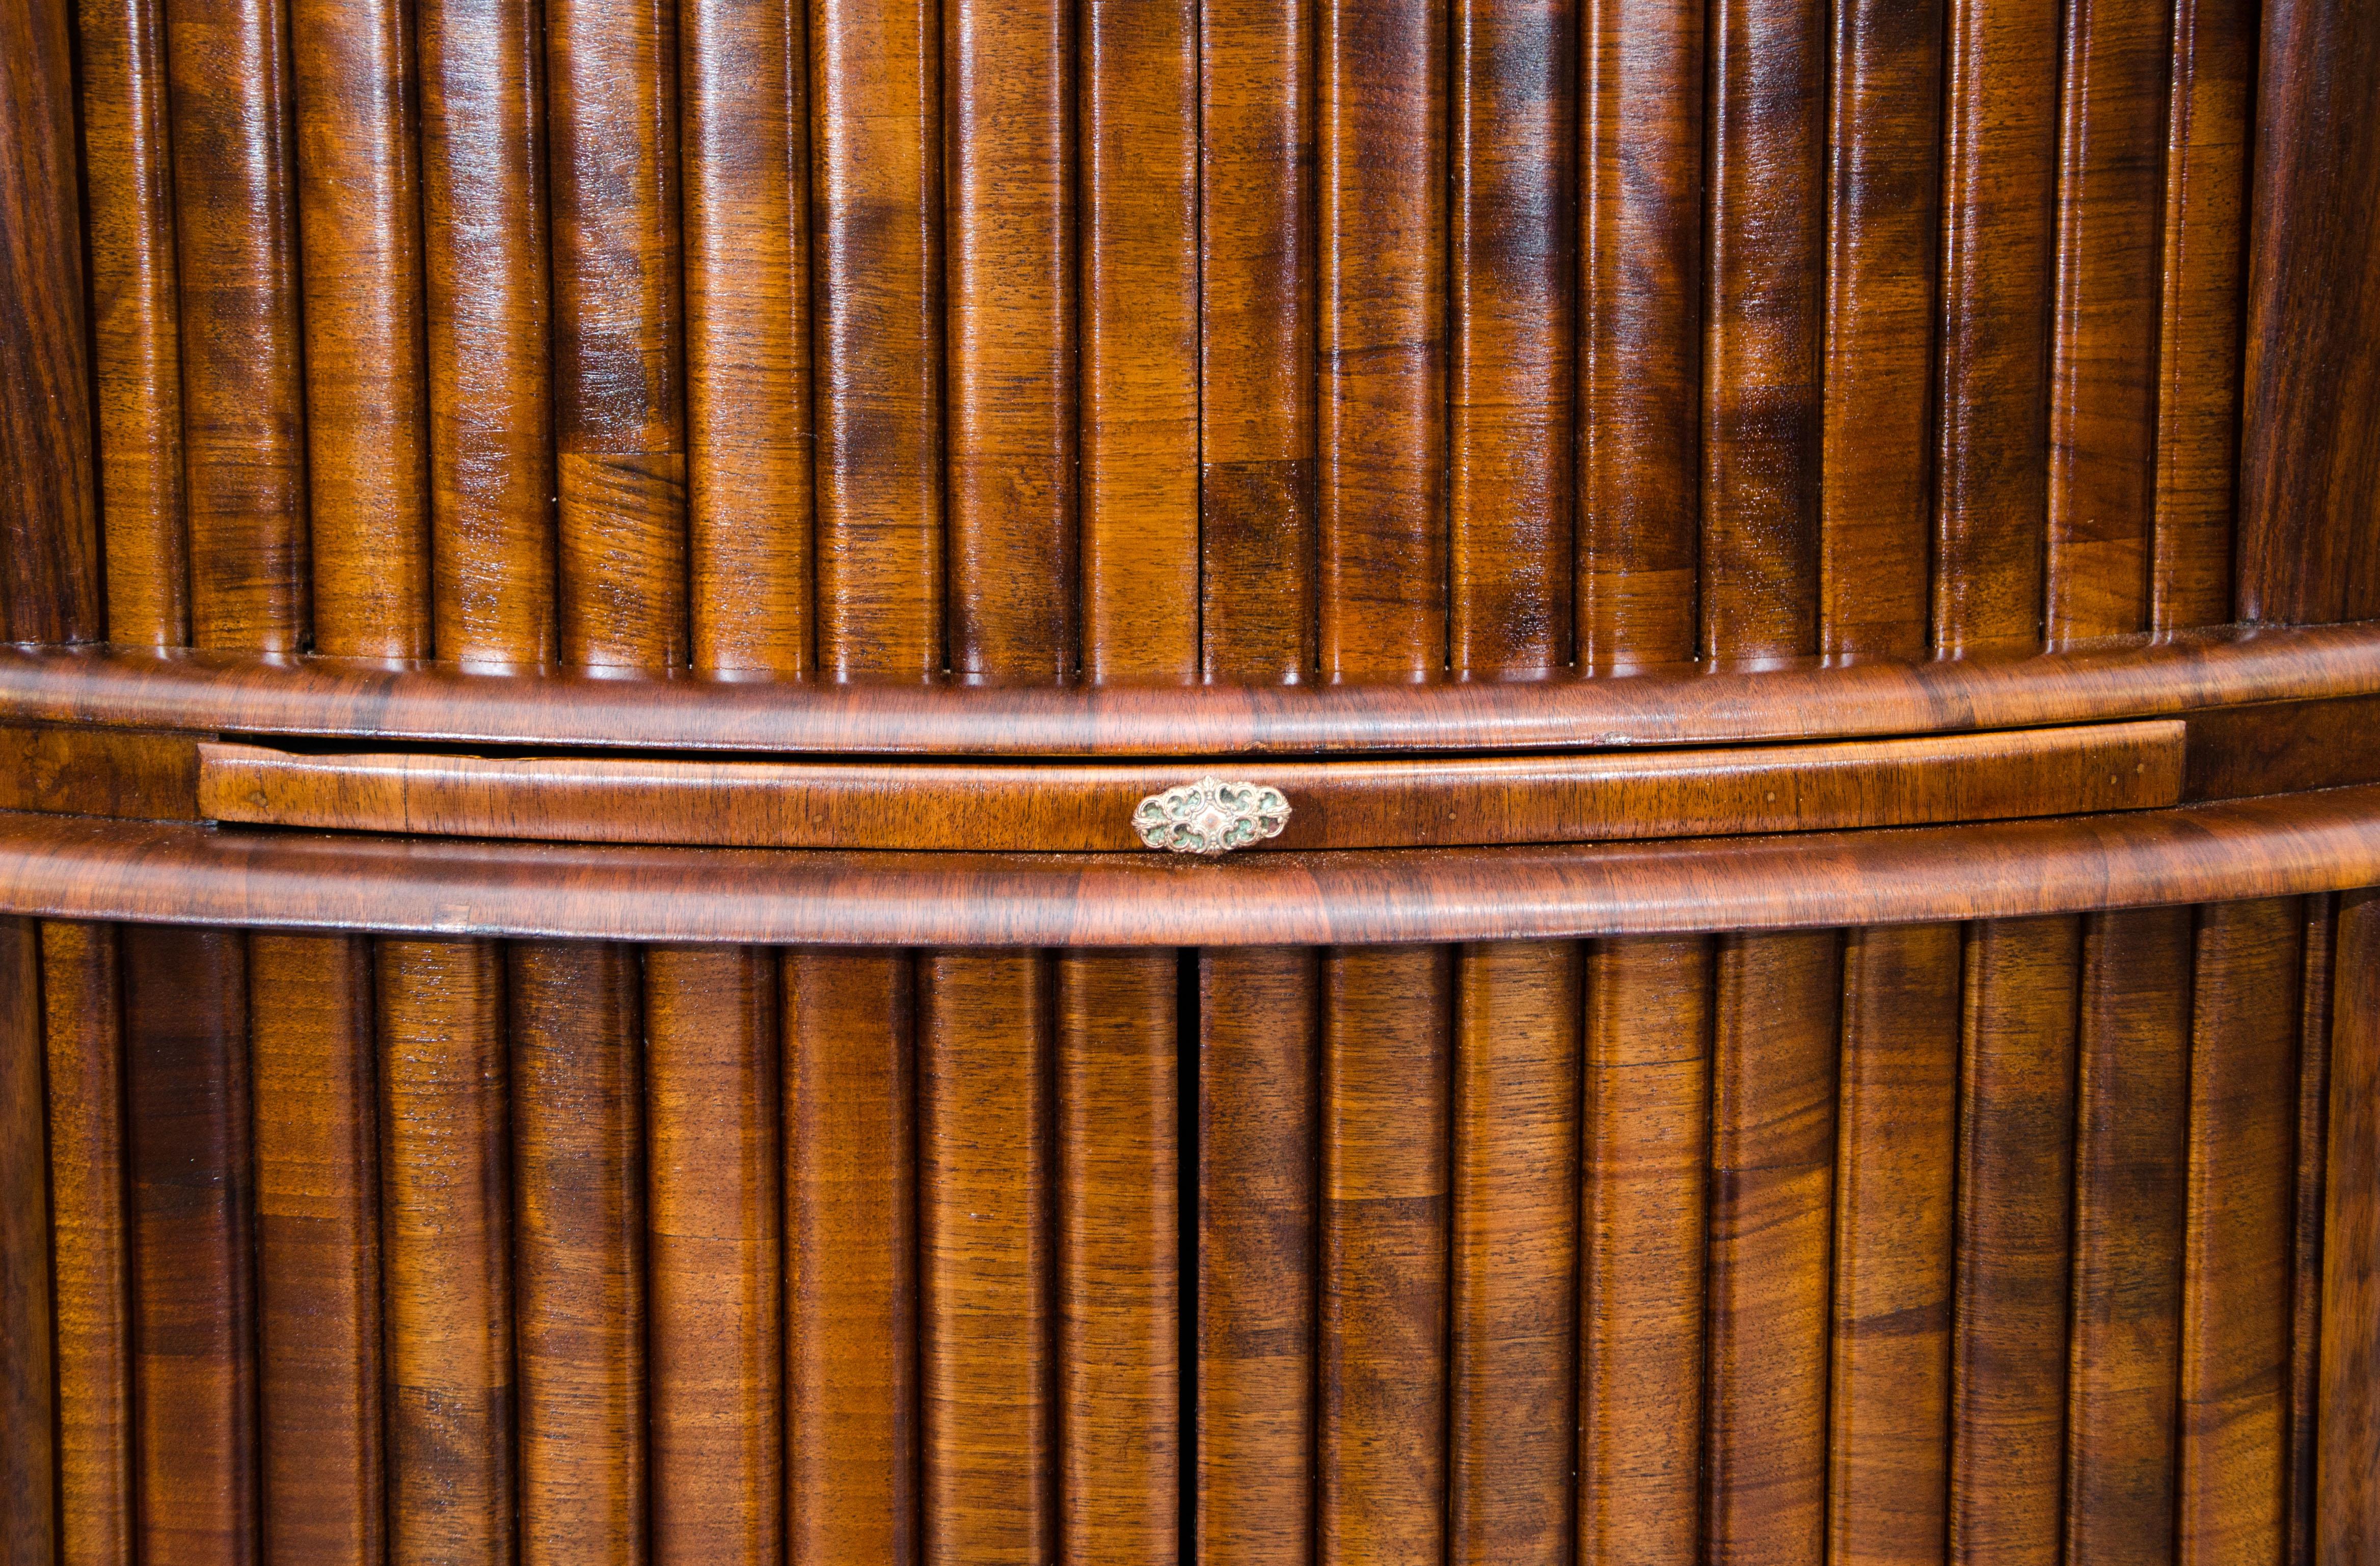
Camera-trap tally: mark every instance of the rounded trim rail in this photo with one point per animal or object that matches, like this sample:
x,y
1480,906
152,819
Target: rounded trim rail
x,y
86,869
2131,678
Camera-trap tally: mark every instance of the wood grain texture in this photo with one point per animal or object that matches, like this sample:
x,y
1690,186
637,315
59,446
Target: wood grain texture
x,y
1764,329
2104,335
1380,353
2234,1300
1258,1118
243,414
1138,324
188,1119
1640,345
90,1252
1382,1268
2308,484
743,69
578,1250
52,556
2207,135
1116,1113
317,1261
715,1249
1884,191
99,773
984,1255
619,333
1774,1059
1513,1350
2281,747
136,321
2016,1141
1888,1472
1808,700
1645,1146
1510,371
487,313
2131,1121
1009,340
358,189
852,1437
1991,424
29,1385
1256,340
1334,805
2347,1512
2318,927
876,199
446,1227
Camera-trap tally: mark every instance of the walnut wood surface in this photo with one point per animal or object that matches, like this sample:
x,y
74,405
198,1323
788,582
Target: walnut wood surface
x,y
2346,1508
1334,805
28,1371
99,773
2320,940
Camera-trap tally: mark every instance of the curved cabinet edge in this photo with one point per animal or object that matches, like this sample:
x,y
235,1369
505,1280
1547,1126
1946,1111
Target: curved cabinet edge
x,y
85,869
447,704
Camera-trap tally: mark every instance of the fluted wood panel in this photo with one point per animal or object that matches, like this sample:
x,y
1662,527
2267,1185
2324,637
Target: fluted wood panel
x,y
1748,1246
1008,342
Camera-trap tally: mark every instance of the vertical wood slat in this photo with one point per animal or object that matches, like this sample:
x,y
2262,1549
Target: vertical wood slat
x,y
2131,1121
1380,1342
446,1245
367,413
49,537
2319,926
2015,1176
1992,422
851,1256
2309,550
1640,260
2206,133
1884,191
1774,1061
192,1208
1895,1156
743,73
1119,1257
1257,1122
1139,342
1763,329
91,1242
876,194
1010,339
136,321
578,1253
984,1236
1514,121
243,419
2234,1302
1256,318
1513,1376
2104,336
714,1246
487,310
2346,1519
28,1520
1644,1145
1380,356
318,1246
619,333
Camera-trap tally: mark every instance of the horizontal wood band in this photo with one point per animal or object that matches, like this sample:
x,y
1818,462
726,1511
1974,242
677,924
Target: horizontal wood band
x,y
1792,700
1406,804
87,868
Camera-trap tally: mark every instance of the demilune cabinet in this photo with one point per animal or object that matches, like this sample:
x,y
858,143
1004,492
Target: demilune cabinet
x,y
1182,783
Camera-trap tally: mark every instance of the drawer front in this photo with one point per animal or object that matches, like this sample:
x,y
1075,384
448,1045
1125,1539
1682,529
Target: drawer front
x,y
1636,1249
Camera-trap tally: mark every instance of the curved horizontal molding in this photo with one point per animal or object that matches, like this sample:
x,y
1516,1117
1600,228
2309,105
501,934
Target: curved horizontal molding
x,y
2134,677
86,869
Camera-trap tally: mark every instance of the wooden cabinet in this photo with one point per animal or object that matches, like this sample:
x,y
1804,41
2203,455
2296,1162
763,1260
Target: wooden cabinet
x,y
595,593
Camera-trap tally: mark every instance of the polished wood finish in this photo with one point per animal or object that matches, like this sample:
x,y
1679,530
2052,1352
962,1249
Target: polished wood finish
x,y
2347,1510
96,772
1334,805
29,1370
